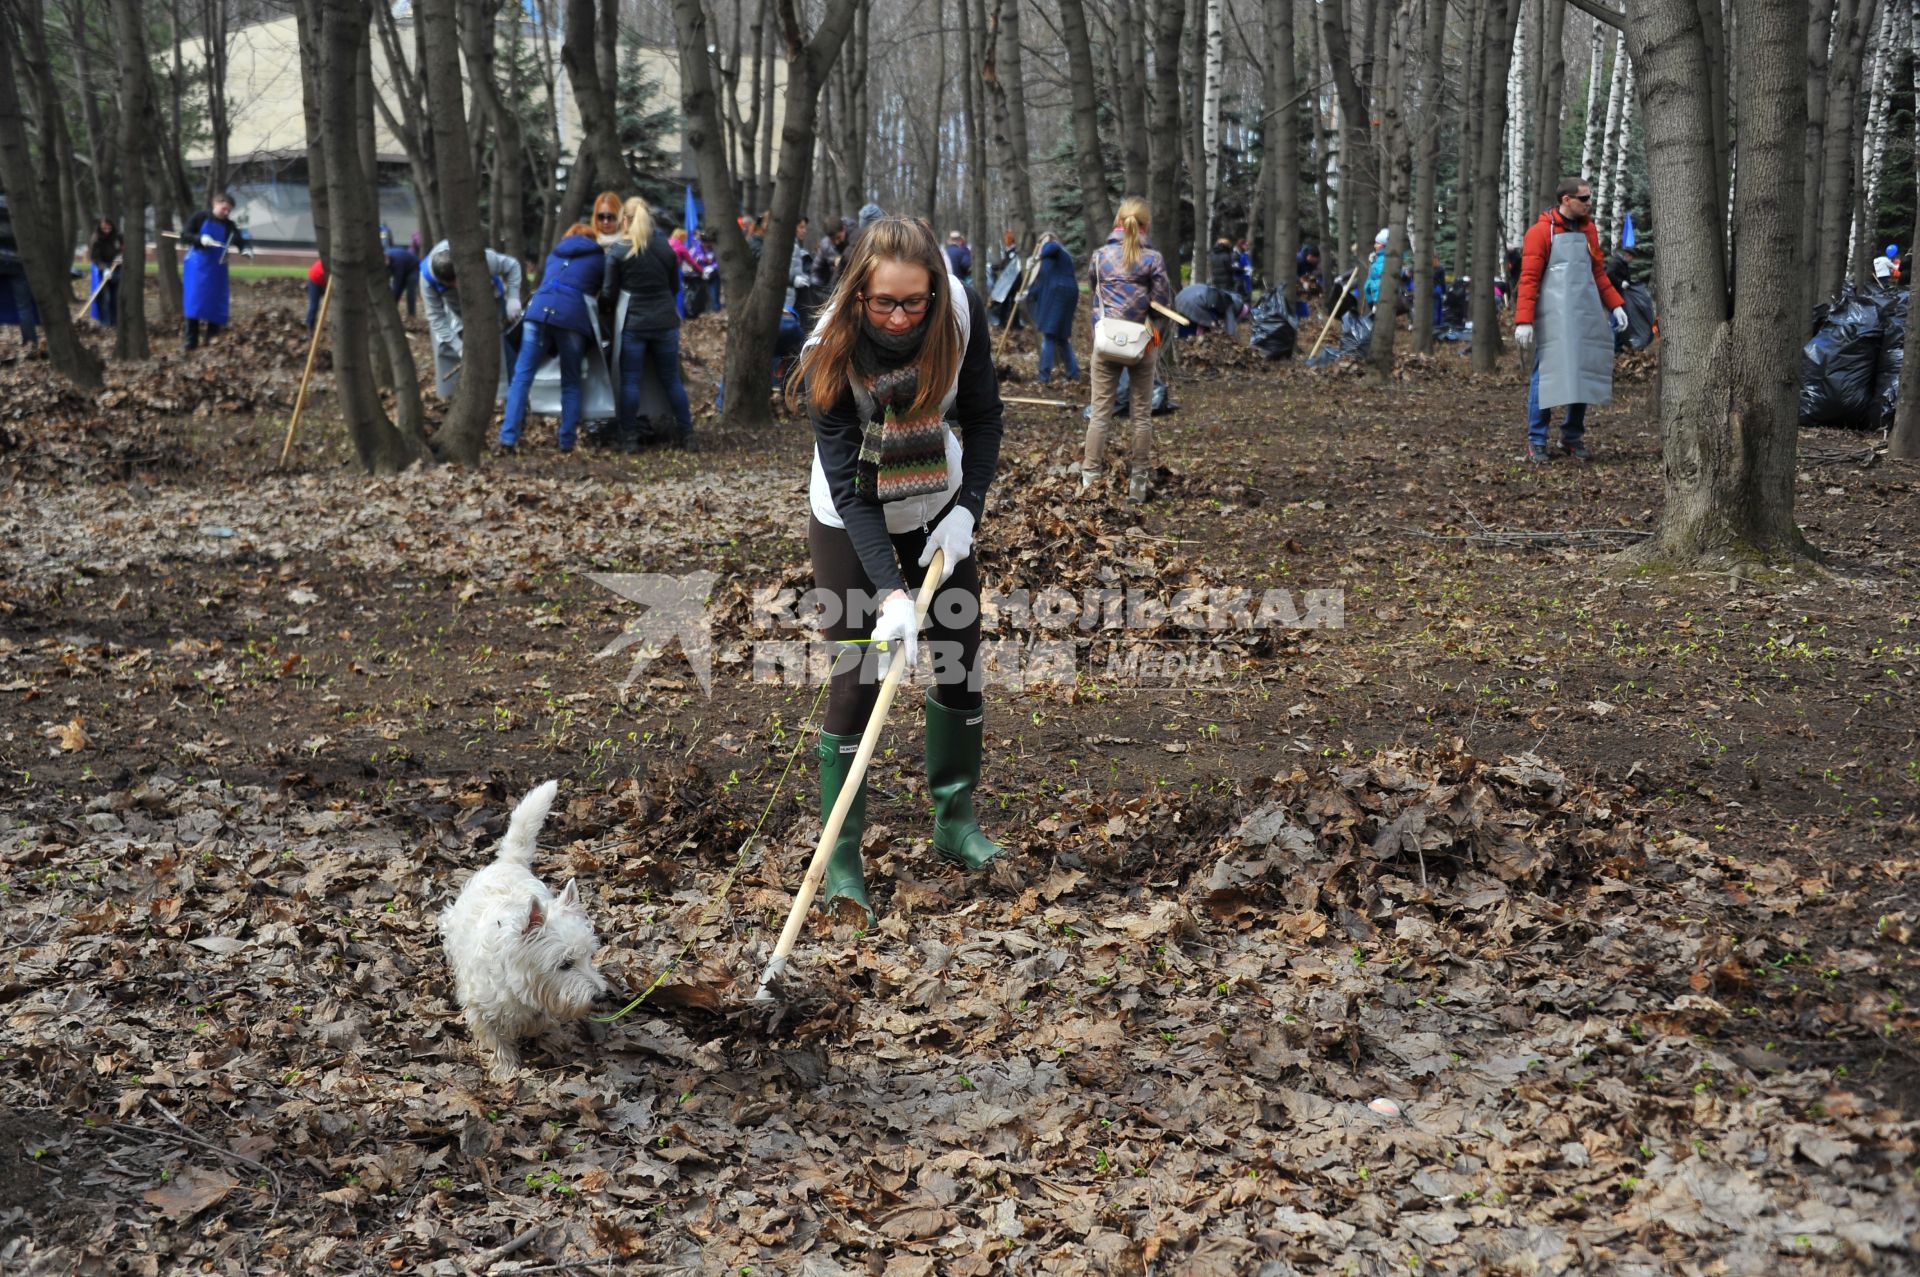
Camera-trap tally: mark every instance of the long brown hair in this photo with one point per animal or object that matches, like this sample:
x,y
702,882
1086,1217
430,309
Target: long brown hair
x,y
826,363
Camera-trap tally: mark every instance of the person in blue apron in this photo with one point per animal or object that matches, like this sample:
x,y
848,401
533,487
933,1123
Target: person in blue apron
x,y
443,310
103,281
210,237
1561,320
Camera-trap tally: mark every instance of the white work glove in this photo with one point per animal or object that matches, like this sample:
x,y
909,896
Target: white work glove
x,y
1619,319
247,253
208,241
707,273
1523,336
954,534
898,630
513,310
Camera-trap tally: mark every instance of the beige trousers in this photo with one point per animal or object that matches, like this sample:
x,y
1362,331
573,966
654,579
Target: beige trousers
x,y
1106,388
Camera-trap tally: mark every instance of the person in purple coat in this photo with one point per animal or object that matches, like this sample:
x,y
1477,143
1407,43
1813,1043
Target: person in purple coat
x,y
558,318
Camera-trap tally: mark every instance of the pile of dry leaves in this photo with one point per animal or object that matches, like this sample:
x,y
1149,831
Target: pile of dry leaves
x,y
1412,1012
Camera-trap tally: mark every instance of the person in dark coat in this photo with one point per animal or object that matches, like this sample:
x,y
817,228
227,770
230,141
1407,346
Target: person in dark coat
x,y
403,273
643,266
16,299
959,257
103,250
1620,269
209,238
559,318
1220,265
1054,303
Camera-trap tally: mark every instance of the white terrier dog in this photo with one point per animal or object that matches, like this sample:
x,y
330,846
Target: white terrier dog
x,y
522,957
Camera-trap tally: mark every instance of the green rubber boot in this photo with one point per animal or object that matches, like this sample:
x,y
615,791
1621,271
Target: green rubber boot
x,y
954,741
846,876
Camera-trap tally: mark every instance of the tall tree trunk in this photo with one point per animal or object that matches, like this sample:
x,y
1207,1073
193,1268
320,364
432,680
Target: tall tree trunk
x,y
507,202
1473,119
1322,152
1818,63
1551,100
213,45
353,243
1205,184
752,321
463,433
1164,177
34,198
1516,188
1904,443
1884,53
1433,70
1356,191
1398,173
408,123
101,167
1195,119
1853,21
1731,323
1089,161
395,356
930,202
972,114
1281,129
136,110
1130,91
599,127
1002,76
1496,49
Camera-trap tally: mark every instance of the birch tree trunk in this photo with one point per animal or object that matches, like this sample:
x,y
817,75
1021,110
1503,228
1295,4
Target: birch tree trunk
x,y
1878,125
1353,125
1205,188
1731,324
1617,202
1322,150
1596,105
1497,47
1193,79
1513,210
1606,194
1089,162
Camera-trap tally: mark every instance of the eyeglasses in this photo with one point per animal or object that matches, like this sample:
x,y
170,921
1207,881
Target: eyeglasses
x,y
1584,199
883,307
606,217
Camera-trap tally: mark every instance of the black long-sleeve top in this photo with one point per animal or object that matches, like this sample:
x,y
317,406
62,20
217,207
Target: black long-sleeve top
x,y
652,276
976,410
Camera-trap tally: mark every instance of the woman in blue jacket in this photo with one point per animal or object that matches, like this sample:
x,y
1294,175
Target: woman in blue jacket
x,y
558,318
1054,303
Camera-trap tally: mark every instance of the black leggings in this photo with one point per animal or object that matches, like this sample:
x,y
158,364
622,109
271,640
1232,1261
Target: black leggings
x,y
952,635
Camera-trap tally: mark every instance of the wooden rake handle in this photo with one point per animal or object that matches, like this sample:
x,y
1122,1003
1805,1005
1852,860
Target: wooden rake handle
x,y
817,867
1335,312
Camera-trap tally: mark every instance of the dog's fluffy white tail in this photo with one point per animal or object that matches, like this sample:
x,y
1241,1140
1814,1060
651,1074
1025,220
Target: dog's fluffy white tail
x,y
523,831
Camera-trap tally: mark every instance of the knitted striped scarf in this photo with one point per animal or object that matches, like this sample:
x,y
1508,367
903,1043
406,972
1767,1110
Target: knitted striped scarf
x,y
900,456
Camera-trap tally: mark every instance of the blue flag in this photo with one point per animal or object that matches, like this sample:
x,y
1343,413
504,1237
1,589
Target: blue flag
x,y
1626,232
692,215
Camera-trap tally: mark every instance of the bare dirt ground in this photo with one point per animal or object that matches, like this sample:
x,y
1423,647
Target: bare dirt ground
x,y
1601,878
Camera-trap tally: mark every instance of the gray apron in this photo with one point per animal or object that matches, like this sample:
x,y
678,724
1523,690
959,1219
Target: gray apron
x,y
597,395
1571,329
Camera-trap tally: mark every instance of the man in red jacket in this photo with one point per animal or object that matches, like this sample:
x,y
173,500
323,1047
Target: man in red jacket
x,y
1566,295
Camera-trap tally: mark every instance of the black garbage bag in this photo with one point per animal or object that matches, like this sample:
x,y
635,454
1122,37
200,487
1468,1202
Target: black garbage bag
x,y
1453,310
1639,334
1838,367
1273,332
1356,336
1893,350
